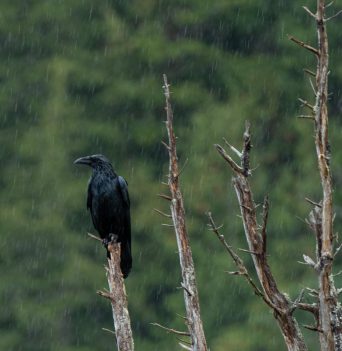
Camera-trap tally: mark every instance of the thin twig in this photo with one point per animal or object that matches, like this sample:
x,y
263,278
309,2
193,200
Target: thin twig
x,y
297,301
94,237
333,16
243,271
309,261
236,151
171,330
188,291
166,197
166,146
309,72
312,328
309,12
183,167
249,251
303,45
185,347
183,341
337,250
105,294
162,213
231,162
312,87
305,103
312,308
246,208
313,202
313,292
108,330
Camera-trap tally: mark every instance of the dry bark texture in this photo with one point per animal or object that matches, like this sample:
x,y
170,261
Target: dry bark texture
x,y
329,307
327,311
118,299
321,217
191,298
255,234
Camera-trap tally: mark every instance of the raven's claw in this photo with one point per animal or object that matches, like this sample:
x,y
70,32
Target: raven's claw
x,y
112,238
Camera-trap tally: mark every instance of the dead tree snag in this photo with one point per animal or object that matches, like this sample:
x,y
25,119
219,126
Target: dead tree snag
x,y
191,298
117,296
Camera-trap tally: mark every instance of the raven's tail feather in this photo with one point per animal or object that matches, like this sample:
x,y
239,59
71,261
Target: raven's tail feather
x,y
126,258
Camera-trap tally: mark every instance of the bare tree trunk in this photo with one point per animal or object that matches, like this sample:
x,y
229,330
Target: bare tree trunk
x,y
330,314
118,299
255,234
193,316
327,295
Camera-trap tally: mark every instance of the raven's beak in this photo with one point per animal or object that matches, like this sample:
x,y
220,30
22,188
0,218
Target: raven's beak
x,y
83,161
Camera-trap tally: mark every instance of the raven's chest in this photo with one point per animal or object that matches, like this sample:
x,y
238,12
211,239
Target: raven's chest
x,y
106,200
104,190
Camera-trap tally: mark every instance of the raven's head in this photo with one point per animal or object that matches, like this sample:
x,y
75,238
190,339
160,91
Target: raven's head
x,y
93,161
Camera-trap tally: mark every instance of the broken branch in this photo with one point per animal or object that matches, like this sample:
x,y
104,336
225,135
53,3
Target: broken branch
x,y
303,45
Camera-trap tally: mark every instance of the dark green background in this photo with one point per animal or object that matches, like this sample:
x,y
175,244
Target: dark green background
x,y
82,77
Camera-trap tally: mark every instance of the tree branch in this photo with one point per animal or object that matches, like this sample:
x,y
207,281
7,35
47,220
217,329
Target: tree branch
x,y
329,309
242,269
171,330
279,302
333,16
303,45
231,162
162,213
118,299
320,218
309,12
191,297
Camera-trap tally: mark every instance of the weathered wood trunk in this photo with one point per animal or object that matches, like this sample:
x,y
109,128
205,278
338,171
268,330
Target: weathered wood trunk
x,y
329,308
191,298
118,299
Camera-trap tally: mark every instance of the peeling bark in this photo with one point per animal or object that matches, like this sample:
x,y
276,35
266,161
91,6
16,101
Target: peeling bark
x,y
191,298
256,238
329,307
118,298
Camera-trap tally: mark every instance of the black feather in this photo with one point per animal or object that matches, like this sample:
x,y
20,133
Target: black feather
x,y
109,205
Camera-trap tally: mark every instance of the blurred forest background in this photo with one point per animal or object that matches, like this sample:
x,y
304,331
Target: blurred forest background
x,y
83,77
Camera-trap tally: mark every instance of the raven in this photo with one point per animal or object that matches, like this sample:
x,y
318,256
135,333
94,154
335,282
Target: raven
x,y
109,205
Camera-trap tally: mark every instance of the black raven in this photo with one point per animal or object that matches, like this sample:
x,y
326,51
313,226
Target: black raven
x,y
109,205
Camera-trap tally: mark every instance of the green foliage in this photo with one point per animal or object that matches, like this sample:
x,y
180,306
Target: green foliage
x,y
82,77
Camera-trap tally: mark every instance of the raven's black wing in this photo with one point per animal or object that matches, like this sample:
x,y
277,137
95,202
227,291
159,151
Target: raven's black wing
x,y
124,190
94,215
89,197
126,256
